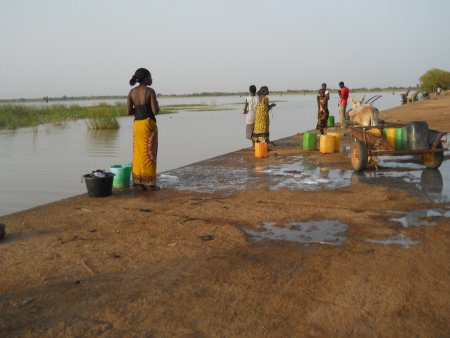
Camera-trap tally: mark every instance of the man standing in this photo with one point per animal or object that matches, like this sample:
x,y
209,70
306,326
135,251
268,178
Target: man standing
x,y
251,103
343,97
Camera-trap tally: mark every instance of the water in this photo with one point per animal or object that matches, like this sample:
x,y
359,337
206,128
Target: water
x,y
431,185
44,164
421,217
294,173
398,239
313,232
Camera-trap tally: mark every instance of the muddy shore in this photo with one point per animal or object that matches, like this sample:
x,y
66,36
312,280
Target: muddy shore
x,y
293,245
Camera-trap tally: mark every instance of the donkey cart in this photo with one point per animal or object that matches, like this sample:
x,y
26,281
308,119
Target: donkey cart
x,y
416,139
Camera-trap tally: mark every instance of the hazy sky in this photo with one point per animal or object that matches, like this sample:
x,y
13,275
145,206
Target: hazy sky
x,y
92,47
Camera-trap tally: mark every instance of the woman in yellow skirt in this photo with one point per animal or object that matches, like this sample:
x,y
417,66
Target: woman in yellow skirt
x,y
261,128
143,105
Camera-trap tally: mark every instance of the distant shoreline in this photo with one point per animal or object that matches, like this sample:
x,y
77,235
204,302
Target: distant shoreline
x,y
202,94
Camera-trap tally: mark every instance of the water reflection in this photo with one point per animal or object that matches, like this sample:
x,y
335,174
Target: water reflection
x,y
103,142
429,184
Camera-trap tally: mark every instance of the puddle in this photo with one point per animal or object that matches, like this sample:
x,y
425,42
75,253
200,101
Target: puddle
x,y
294,173
206,179
223,174
297,176
420,217
314,232
430,184
395,162
400,239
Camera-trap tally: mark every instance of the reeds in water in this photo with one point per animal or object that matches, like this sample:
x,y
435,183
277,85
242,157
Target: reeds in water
x,y
101,116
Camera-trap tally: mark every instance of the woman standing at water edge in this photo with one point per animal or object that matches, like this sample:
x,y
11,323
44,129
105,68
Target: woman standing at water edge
x,y
322,114
143,105
261,128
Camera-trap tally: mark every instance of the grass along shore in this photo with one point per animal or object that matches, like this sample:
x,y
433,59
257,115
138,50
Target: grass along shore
x,y
101,116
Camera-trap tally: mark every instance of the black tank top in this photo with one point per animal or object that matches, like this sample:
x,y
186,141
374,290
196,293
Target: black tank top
x,y
144,111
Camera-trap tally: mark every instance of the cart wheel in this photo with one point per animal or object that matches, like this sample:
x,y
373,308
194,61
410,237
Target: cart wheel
x,y
433,160
359,155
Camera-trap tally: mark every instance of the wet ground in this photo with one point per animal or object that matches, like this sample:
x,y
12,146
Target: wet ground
x,y
297,173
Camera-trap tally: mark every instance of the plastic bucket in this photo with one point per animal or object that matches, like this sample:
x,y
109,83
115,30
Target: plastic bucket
x,y
337,140
375,131
326,144
261,149
98,186
389,135
417,135
122,174
401,139
330,122
309,141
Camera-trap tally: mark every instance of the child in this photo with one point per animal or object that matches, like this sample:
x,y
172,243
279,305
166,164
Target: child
x,y
250,109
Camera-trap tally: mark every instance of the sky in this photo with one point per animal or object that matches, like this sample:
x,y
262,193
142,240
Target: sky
x,y
93,47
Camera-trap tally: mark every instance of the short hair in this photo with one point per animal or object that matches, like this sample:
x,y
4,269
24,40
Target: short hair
x,y
252,89
324,85
341,83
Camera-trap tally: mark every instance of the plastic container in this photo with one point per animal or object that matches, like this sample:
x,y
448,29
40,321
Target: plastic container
x,y
261,149
417,135
401,140
99,186
330,122
326,144
337,140
309,141
376,131
389,135
122,174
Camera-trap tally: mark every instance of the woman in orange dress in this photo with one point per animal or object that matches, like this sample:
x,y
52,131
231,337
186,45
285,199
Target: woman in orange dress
x,y
143,105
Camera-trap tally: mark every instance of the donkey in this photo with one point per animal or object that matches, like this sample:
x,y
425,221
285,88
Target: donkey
x,y
364,115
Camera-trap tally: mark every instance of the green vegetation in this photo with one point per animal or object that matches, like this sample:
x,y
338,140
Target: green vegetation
x,y
101,116
434,78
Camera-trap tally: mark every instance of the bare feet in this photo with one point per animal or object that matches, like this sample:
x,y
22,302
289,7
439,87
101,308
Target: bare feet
x,y
147,187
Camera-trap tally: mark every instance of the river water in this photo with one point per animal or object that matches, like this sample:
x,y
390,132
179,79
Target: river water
x,y
45,164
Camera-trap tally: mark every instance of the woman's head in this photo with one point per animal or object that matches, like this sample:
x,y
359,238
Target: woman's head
x,y
142,76
252,89
263,91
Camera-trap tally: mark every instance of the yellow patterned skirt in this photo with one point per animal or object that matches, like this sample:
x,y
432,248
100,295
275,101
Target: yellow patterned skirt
x,y
261,128
145,150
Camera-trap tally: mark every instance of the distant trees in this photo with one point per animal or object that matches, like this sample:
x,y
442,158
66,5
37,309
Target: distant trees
x,y
435,78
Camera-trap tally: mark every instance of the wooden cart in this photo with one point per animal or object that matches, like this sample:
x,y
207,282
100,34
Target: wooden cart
x,y
368,143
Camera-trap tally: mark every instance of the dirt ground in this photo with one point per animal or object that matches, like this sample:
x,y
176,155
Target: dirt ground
x,y
177,263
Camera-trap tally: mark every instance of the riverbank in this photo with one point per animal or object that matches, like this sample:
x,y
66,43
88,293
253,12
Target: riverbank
x,y
192,260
